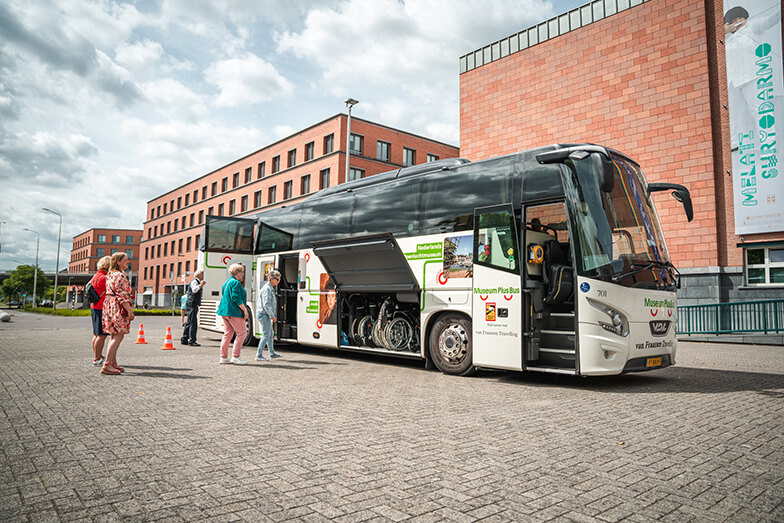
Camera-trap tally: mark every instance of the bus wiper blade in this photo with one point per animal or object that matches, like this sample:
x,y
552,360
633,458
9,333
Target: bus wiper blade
x,y
650,264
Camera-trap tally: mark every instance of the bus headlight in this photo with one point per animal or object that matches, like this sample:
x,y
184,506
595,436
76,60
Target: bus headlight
x,y
618,324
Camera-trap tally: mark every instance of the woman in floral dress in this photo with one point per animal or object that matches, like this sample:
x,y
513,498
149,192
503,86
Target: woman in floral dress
x,y
117,311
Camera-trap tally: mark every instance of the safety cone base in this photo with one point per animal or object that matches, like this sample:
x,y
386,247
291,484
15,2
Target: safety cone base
x,y
167,342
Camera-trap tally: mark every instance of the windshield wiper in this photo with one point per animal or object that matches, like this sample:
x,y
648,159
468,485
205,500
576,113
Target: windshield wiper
x,y
650,264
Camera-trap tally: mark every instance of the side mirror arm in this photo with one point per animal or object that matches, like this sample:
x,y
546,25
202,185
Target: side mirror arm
x,y
680,193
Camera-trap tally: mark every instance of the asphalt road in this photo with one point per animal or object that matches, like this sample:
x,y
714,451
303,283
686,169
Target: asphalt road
x,y
320,435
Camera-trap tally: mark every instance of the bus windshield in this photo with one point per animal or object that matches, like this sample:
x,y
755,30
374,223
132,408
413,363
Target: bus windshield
x,y
618,237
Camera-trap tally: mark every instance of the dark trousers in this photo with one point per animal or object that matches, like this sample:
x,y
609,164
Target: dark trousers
x,y
190,327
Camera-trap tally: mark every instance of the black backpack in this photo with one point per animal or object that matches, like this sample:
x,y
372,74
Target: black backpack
x,y
91,294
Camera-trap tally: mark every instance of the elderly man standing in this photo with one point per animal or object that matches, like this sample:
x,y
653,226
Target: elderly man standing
x,y
267,314
194,300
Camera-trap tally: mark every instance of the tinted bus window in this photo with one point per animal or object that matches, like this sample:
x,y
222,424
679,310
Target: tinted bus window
x,y
278,229
450,197
389,207
229,235
325,218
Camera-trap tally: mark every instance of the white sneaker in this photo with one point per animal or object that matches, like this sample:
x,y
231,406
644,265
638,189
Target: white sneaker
x,y
237,361
99,361
224,360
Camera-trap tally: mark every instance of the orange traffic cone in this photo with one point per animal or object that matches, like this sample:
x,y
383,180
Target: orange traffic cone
x,y
140,338
167,342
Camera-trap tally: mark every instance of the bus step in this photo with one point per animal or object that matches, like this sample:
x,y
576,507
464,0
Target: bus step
x,y
553,370
562,321
558,332
557,351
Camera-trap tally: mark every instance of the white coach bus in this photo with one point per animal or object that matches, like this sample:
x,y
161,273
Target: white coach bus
x,y
549,260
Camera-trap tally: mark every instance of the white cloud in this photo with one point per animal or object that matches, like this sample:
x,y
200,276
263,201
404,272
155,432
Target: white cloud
x,y
282,131
247,80
170,97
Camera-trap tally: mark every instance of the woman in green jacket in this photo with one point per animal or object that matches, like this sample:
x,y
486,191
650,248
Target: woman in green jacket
x,y
232,309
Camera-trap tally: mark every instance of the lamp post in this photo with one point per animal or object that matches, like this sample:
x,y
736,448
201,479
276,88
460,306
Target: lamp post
x,y
35,274
350,102
57,264
1,234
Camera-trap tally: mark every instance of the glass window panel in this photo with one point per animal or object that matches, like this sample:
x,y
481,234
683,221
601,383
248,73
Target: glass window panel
x,y
463,64
755,256
496,244
585,14
598,10
371,210
504,47
634,3
533,36
756,275
487,55
563,24
609,7
776,255
229,235
777,275
469,62
523,38
496,51
514,44
323,219
552,28
574,19
479,58
623,5
542,30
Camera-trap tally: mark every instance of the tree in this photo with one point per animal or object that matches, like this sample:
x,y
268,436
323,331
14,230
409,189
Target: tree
x,y
21,279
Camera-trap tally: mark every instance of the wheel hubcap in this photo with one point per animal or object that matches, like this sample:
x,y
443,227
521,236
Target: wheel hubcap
x,y
453,343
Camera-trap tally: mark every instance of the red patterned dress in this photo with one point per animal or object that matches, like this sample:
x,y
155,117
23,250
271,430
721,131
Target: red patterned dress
x,y
118,291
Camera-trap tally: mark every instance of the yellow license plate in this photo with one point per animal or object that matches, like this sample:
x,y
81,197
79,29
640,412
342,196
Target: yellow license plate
x,y
653,362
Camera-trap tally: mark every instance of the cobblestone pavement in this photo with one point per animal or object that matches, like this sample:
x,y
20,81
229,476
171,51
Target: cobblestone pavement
x,y
325,436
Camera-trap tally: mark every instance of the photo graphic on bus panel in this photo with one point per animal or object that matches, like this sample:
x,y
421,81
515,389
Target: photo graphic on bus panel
x,y
458,256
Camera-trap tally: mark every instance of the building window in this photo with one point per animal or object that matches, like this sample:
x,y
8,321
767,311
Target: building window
x,y
102,238
196,245
179,246
356,144
115,238
765,265
201,217
329,143
257,199
271,194
129,253
187,199
324,179
113,251
146,253
382,150
100,252
171,205
292,158
287,190
409,156
193,218
309,148
244,203
304,185
214,190
195,195
232,209
355,174
248,174
188,244
156,231
225,184
145,273
275,164
261,170
220,209
175,224
164,208
179,203
432,157
209,212
204,193
152,213
188,263
165,249
235,180
129,239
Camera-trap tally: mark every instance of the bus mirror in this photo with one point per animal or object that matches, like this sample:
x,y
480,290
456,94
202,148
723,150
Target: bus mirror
x,y
679,192
605,170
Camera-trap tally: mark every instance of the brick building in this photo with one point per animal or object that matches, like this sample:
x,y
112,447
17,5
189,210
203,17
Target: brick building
x,y
647,78
92,245
280,173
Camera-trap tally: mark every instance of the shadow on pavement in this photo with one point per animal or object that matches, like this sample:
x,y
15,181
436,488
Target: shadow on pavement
x,y
149,367
674,379
164,375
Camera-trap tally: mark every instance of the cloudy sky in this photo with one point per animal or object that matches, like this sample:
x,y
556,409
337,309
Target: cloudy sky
x,y
106,104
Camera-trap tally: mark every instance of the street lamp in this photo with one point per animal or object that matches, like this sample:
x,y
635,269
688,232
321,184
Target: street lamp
x,y
35,274
57,266
1,234
350,102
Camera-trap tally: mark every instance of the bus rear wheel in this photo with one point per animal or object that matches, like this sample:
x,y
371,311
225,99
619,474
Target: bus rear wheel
x,y
450,345
250,339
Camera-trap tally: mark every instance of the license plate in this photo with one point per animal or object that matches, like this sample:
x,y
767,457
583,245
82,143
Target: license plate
x,y
653,362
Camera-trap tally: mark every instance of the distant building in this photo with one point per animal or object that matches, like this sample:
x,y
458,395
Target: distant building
x,y
280,173
92,245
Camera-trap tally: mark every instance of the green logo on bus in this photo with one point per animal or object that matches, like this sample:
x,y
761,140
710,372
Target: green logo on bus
x,y
312,307
425,251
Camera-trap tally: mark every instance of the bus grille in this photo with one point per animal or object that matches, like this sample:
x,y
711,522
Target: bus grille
x,y
207,318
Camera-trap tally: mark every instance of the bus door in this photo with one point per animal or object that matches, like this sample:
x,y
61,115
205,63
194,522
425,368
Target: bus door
x,y
286,326
498,300
226,241
550,275
261,268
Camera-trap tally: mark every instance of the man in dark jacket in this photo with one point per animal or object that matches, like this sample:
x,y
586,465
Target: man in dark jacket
x,y
194,300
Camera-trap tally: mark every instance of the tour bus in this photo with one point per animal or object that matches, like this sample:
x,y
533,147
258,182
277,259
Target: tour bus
x,y
548,260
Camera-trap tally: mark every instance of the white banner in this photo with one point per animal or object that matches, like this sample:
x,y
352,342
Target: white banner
x,y
752,31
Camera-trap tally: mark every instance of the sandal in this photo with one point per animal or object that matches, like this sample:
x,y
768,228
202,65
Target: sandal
x,y
108,369
121,369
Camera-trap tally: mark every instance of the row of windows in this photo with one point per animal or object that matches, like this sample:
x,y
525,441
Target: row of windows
x,y
272,197
441,201
168,207
166,248
129,240
85,267
165,272
356,146
101,252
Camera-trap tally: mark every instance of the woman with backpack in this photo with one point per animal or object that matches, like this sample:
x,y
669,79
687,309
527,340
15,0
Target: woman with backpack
x,y
98,283
117,311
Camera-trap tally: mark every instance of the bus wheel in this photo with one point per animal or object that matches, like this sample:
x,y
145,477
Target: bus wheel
x,y
450,345
250,339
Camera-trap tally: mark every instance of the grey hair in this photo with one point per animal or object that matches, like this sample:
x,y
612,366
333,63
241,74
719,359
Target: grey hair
x,y
235,268
273,274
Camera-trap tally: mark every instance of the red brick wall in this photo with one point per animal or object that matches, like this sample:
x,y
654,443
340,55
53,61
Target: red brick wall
x,y
84,248
637,81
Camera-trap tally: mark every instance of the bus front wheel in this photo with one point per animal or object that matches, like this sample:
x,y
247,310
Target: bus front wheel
x,y
450,345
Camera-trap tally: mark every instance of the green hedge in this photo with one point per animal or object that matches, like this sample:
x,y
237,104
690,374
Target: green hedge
x,y
86,312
